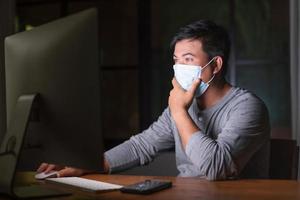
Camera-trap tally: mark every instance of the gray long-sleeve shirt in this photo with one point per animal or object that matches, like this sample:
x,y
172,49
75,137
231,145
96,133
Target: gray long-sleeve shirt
x,y
233,140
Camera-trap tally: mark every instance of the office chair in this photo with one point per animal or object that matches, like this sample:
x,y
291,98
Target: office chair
x,y
284,154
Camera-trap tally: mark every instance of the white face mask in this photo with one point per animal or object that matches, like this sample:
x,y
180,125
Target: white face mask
x,y
187,74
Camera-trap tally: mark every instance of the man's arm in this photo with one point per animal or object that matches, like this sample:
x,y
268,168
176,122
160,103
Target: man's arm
x,y
141,149
179,103
186,126
244,133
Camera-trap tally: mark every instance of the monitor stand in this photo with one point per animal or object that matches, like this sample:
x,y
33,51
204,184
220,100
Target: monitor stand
x,y
10,151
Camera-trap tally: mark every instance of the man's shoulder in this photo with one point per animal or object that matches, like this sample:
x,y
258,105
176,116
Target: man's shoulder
x,y
243,97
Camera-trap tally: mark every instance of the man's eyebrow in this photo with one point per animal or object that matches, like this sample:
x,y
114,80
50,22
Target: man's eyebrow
x,y
186,54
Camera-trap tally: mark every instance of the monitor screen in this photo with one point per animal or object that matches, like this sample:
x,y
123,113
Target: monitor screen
x,y
58,60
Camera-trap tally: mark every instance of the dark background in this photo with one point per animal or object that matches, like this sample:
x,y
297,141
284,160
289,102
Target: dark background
x,y
136,61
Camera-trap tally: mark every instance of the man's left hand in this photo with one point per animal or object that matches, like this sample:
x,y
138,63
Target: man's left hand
x,y
179,99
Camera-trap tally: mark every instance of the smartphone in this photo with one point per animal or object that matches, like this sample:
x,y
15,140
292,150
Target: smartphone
x,y
147,186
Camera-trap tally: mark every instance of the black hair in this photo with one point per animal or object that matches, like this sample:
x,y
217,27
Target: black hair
x,y
214,38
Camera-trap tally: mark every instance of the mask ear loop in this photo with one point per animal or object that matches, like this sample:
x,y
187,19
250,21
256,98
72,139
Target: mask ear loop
x,y
206,66
208,63
210,80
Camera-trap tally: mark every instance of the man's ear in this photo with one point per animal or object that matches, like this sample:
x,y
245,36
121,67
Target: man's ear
x,y
218,64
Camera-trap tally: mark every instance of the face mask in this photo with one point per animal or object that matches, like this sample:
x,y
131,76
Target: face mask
x,y
187,74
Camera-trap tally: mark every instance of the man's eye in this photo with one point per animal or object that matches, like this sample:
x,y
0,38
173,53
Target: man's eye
x,y
188,59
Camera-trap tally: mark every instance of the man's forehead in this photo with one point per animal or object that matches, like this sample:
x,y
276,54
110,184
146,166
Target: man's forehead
x,y
188,46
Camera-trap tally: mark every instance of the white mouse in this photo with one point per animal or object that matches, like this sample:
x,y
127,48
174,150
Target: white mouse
x,y
43,175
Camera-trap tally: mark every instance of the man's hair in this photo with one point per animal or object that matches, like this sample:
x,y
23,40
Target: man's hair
x,y
214,38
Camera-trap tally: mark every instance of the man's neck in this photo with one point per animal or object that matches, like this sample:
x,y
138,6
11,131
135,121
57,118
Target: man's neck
x,y
214,94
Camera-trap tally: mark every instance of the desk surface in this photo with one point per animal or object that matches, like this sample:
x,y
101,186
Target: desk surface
x,y
195,188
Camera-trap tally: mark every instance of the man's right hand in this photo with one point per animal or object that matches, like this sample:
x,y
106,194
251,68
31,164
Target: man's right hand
x,y
68,171
62,170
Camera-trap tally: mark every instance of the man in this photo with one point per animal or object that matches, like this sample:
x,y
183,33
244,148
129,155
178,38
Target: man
x,y
218,131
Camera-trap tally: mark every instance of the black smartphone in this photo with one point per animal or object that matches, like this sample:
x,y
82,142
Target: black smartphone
x,y
147,186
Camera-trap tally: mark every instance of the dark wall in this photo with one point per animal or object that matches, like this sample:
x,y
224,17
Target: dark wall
x,y
137,73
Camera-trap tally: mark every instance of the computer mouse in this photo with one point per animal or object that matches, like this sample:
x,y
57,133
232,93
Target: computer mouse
x,y
43,175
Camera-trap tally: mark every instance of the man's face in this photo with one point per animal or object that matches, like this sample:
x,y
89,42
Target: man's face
x,y
190,52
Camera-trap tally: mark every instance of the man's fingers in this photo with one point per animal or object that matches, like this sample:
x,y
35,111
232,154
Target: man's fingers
x,y
42,167
49,168
175,83
194,86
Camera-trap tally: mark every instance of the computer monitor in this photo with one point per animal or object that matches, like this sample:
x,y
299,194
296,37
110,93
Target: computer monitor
x,y
58,60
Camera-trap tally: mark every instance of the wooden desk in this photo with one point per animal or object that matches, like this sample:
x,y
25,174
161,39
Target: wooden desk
x,y
195,188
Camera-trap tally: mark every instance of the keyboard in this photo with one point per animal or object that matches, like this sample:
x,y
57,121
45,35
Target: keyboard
x,y
85,184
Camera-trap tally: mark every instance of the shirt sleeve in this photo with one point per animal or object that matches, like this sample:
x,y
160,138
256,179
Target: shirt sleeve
x,y
141,148
245,131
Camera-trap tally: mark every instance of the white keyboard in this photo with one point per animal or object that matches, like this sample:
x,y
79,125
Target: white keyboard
x,y
85,184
